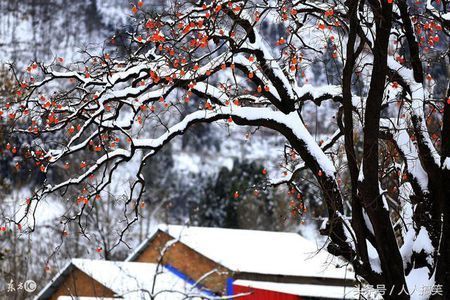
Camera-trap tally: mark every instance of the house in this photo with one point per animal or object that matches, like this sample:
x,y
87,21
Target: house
x,y
230,261
86,279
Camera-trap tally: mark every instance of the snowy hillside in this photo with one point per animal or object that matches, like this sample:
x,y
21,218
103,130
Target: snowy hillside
x,y
42,30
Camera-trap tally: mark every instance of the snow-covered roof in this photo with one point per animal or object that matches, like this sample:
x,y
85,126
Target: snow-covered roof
x,y
253,251
305,290
131,280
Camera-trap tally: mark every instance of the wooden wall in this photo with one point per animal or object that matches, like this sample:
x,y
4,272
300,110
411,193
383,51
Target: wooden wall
x,y
185,260
78,283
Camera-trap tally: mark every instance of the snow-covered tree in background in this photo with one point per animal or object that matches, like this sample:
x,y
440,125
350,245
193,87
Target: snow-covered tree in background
x,y
384,175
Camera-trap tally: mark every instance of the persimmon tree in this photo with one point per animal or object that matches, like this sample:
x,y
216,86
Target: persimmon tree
x,y
220,61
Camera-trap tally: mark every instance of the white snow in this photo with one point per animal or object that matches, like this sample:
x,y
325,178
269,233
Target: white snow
x,y
416,280
48,209
423,242
446,164
373,258
367,221
319,91
133,280
361,172
406,250
187,163
249,250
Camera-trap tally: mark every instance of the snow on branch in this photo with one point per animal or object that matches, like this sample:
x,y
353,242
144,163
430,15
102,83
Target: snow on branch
x,y
399,130
247,115
417,107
